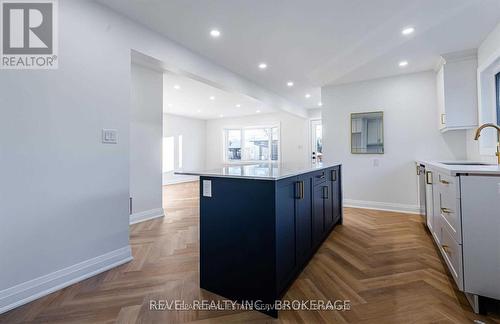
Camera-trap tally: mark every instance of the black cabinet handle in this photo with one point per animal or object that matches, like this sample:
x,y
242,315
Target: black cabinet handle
x,y
325,192
334,175
299,190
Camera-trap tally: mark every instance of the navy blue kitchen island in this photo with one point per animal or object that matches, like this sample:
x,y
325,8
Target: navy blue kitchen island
x,y
260,224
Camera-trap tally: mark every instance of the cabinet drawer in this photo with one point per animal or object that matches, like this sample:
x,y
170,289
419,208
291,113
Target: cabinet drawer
x,y
448,185
452,254
436,230
319,176
449,205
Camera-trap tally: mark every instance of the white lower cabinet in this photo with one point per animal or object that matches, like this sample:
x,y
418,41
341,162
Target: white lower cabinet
x,y
481,235
446,222
465,224
452,254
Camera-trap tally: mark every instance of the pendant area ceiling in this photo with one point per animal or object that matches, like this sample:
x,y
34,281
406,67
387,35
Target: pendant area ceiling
x,y
317,42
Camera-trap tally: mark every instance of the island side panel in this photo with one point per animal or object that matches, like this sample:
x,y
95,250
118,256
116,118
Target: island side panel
x,y
237,226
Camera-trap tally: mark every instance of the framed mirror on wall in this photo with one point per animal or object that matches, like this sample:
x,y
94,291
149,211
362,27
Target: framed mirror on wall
x,y
367,133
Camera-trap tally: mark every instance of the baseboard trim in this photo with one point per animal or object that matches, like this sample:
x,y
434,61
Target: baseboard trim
x,y
375,205
146,215
28,291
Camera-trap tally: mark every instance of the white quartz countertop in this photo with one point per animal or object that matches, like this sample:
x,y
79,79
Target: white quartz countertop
x,y
462,167
260,171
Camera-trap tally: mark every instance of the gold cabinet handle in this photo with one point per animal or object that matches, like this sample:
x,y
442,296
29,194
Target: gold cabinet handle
x,y
446,210
444,182
443,122
446,248
428,177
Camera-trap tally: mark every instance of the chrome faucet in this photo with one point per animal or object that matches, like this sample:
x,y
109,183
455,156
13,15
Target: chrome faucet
x,y
478,133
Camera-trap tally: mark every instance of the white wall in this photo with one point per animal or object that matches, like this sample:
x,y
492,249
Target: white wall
x,y
314,113
193,145
409,103
489,47
294,136
488,61
64,196
146,143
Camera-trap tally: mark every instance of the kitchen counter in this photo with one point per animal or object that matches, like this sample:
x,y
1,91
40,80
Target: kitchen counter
x,y
260,171
466,168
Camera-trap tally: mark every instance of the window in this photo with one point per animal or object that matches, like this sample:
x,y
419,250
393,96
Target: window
x,y
498,97
168,154
252,144
233,144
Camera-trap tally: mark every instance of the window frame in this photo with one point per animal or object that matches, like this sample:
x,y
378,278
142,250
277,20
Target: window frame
x,y
242,133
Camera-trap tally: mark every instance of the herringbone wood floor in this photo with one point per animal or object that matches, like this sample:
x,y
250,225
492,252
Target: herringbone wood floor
x,y
384,263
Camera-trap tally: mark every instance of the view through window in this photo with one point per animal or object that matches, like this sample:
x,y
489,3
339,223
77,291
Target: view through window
x,y
252,144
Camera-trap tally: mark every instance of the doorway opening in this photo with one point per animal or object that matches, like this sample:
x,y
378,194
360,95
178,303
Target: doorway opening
x,y
316,136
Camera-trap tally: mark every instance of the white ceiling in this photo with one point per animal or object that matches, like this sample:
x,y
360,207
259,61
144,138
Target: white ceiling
x,y
192,99
317,42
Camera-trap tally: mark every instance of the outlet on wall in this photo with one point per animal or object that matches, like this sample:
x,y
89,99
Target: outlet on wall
x,y
376,163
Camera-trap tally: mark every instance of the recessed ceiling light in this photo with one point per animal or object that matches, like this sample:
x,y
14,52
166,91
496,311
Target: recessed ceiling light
x,y
198,111
258,111
215,33
403,63
262,66
170,105
408,31
289,84
212,98
308,95
238,105
320,104
177,87
221,115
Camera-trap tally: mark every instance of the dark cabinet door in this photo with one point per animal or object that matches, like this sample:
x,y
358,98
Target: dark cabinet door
x,y
336,194
318,224
285,230
303,218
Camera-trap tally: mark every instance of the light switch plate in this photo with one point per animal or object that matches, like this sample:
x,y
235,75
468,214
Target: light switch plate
x,y
109,136
207,188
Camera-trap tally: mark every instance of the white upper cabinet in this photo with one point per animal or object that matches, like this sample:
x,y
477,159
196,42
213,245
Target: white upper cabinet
x,y
457,91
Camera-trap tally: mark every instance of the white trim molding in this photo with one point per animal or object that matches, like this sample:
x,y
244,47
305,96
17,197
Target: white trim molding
x,y
28,291
146,215
375,205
